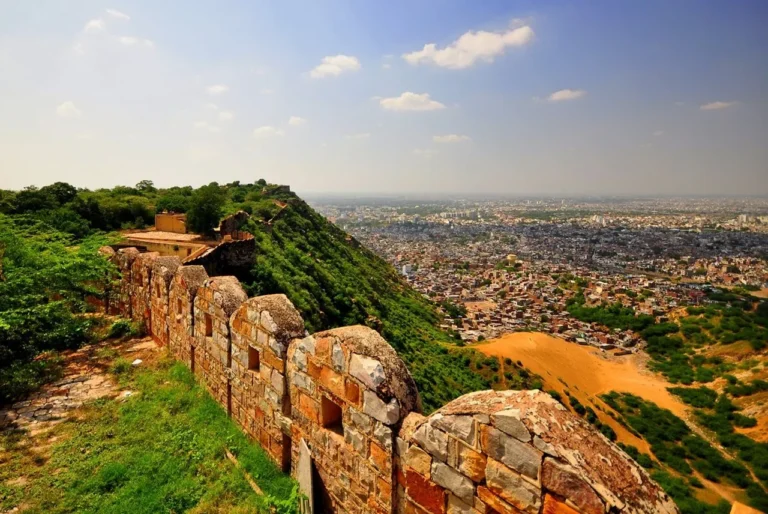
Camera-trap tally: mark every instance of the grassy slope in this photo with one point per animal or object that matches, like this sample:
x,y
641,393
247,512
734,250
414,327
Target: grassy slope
x,y
160,451
334,281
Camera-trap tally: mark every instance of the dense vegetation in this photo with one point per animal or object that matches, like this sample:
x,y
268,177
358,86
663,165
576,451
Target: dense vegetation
x,y
676,446
331,279
112,460
45,282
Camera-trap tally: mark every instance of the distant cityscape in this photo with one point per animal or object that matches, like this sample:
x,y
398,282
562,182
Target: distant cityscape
x,y
503,266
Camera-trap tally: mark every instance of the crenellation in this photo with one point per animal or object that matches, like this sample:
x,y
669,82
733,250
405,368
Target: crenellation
x,y
339,410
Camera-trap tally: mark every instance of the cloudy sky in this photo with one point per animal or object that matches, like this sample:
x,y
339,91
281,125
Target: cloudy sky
x,y
450,96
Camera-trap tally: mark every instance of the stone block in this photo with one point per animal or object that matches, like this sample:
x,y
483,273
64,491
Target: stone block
x,y
554,506
332,381
383,436
460,427
381,458
472,463
452,480
352,392
367,370
458,506
337,357
419,461
495,503
425,493
355,439
511,487
387,413
512,452
563,481
508,421
434,441
360,420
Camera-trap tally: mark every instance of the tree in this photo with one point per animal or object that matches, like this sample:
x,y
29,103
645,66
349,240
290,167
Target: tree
x,y
146,186
205,208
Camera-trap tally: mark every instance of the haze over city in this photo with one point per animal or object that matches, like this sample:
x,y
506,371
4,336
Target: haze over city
x,y
350,97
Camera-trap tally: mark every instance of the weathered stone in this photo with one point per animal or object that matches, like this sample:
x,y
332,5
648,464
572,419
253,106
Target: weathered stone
x,y
563,481
462,427
419,460
360,420
388,413
515,454
433,440
337,357
508,421
511,487
383,435
554,506
495,503
472,463
355,439
425,493
452,480
368,371
458,506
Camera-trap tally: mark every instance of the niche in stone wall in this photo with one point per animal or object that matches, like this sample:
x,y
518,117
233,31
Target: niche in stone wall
x,y
254,359
208,325
331,415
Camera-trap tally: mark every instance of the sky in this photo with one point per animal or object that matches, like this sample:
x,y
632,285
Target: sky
x,y
396,97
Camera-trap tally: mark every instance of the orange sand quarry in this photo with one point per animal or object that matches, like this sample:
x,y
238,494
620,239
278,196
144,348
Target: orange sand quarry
x,y
588,373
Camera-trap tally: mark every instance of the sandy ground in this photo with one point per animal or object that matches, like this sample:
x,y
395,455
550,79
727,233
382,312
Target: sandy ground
x,y
480,306
586,373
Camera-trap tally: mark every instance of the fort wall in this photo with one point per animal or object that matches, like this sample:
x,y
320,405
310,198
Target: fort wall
x,y
339,410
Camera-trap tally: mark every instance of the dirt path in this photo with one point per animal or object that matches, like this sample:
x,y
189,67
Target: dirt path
x,y
85,378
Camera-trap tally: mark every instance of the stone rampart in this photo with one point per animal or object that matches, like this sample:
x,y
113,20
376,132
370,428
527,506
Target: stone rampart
x,y
339,410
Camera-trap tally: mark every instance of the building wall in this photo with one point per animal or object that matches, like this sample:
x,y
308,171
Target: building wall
x,y
168,222
340,411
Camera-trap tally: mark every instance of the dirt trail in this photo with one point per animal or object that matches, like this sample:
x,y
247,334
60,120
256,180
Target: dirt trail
x,y
85,378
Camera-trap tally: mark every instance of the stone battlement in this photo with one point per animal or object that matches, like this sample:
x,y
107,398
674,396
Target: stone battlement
x,y
339,410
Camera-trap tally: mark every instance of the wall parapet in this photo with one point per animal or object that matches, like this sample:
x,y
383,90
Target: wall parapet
x,y
339,410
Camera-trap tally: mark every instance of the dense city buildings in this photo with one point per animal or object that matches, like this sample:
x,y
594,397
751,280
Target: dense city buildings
x,y
498,266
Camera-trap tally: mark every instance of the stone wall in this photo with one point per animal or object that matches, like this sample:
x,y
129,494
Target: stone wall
x,y
339,410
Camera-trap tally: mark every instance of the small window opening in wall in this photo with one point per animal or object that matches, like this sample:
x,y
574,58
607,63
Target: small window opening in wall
x,y
157,288
178,306
331,416
254,359
189,252
208,325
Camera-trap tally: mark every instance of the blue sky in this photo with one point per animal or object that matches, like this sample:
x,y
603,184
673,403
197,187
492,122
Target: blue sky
x,y
546,97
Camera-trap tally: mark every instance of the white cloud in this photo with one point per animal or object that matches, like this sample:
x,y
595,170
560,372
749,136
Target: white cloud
x,y
566,94
135,41
204,125
409,101
471,47
212,106
68,110
78,48
658,133
217,89
386,66
267,131
362,135
117,14
713,106
226,115
451,138
96,25
296,121
267,91
335,65
425,152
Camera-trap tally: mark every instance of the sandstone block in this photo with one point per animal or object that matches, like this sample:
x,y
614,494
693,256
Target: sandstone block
x,y
554,506
366,370
354,439
419,460
508,421
458,506
452,480
461,427
472,463
563,481
511,487
337,357
495,503
425,493
388,413
512,452
433,440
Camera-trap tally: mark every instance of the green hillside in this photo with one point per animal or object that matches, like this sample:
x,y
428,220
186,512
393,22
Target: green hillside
x,y
329,276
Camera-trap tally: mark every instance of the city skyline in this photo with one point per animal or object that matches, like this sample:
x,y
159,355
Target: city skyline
x,y
523,98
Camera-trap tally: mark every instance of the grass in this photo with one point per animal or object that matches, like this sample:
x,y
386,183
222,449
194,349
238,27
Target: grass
x,y
161,450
